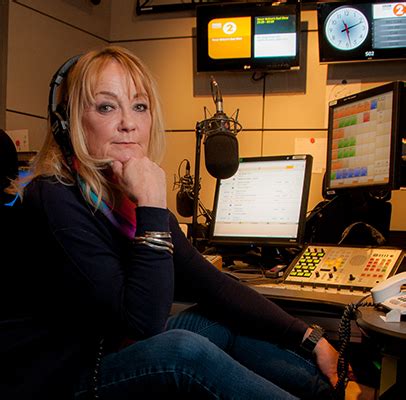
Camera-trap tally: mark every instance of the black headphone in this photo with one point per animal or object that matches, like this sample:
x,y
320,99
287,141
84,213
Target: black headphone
x,y
58,115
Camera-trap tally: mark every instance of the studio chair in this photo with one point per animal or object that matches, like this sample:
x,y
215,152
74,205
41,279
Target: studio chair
x,y
8,166
10,220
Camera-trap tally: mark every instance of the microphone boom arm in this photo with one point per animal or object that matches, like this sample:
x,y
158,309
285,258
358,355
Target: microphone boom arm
x,y
196,189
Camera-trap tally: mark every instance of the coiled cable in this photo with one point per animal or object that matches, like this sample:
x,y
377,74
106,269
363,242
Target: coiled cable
x,y
344,334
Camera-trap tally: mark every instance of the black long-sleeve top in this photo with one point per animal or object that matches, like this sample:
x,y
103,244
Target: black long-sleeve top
x,y
75,278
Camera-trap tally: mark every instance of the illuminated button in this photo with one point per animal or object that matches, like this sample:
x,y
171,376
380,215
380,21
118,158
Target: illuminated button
x,y
307,274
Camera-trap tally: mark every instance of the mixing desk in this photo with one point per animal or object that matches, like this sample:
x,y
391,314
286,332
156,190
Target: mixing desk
x,y
335,273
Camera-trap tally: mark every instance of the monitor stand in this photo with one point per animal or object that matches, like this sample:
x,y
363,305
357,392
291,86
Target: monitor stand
x,y
272,256
354,218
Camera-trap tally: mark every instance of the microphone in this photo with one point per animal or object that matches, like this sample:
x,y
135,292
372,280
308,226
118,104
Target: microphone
x,y
185,197
220,143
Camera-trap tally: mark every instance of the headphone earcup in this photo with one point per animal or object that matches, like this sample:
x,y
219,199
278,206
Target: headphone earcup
x,y
60,129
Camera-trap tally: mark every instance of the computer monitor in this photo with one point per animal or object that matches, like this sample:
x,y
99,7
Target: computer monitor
x,y
253,36
359,30
365,141
364,165
264,203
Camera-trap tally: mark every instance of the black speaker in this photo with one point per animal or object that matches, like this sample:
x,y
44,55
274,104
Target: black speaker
x,y
58,115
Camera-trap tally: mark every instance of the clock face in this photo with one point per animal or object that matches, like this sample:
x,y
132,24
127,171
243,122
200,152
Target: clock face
x,y
346,28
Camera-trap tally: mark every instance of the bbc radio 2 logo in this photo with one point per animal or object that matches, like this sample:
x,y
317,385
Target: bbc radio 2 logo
x,y
399,9
229,28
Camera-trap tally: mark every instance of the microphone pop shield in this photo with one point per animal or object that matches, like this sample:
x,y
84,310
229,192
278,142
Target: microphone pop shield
x,y
184,204
221,155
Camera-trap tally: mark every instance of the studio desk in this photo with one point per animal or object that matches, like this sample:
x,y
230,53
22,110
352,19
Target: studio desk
x,y
323,279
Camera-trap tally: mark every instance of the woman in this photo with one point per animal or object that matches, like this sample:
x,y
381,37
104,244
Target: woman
x,y
91,318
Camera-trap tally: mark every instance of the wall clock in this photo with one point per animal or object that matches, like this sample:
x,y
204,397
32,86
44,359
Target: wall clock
x,y
346,28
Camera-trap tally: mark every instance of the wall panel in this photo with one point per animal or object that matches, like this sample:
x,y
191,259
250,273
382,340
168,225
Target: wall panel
x,y
126,25
37,128
283,142
299,110
36,50
81,14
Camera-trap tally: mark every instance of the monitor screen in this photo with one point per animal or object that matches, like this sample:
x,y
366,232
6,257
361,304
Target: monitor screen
x,y
361,31
248,36
364,140
265,202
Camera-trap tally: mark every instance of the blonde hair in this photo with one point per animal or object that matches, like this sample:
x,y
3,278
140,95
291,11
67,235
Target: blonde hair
x,y
78,92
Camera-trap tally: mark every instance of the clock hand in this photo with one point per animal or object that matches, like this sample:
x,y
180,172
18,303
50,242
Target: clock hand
x,y
346,29
349,27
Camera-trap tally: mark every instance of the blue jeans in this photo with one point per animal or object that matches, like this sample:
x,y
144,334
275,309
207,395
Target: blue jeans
x,y
197,358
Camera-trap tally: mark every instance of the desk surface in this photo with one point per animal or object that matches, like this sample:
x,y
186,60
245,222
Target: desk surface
x,y
369,318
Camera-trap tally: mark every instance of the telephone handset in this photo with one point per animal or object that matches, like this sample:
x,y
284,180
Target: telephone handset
x,y
389,293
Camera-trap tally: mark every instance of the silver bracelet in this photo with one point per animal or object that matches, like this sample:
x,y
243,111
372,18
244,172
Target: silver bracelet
x,y
159,235
156,240
156,247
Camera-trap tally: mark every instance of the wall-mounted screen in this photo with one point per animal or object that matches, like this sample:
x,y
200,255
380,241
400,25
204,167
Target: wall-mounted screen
x,y
248,36
365,139
361,31
265,202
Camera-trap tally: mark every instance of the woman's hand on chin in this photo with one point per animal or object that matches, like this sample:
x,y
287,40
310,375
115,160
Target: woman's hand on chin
x,y
142,180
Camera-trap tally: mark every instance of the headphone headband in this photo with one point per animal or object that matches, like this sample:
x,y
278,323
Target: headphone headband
x,y
57,79
58,116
